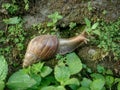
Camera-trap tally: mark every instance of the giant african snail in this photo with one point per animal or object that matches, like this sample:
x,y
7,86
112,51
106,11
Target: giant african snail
x,y
46,46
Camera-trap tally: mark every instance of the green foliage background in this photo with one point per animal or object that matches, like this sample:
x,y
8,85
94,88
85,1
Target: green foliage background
x,y
69,73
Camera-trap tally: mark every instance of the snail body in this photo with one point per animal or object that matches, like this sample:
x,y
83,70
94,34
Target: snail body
x,y
45,47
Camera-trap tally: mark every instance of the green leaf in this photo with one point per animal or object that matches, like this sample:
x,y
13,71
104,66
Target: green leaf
x,y
14,20
72,81
100,69
97,32
74,63
62,74
86,82
55,16
37,78
109,81
88,22
48,88
109,72
36,68
2,85
118,86
97,76
117,80
95,25
3,68
97,84
53,88
60,88
50,24
45,71
72,25
48,80
83,88
20,81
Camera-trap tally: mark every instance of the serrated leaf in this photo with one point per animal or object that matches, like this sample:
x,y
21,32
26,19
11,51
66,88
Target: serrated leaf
x,y
95,25
2,85
97,84
97,32
14,20
72,81
62,73
74,63
88,22
20,81
45,71
36,68
3,68
118,86
86,82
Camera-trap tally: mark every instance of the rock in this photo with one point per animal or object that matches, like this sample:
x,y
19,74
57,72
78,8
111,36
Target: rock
x,y
93,56
73,10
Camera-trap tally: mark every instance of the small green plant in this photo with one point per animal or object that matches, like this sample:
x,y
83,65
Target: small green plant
x,y
72,25
108,36
61,77
91,29
39,76
89,6
11,8
54,17
15,32
3,72
26,4
101,80
12,39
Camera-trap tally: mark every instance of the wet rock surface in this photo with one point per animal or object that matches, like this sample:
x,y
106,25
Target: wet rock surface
x,y
93,56
73,10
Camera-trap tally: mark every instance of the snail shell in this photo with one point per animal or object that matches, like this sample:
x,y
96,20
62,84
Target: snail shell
x,y
41,47
47,46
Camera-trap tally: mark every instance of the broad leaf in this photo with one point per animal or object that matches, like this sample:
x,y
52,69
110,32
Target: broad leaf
x,y
45,71
3,68
88,22
109,81
97,76
62,73
72,81
118,87
74,63
97,84
14,20
20,81
97,32
83,88
2,85
53,88
95,25
86,82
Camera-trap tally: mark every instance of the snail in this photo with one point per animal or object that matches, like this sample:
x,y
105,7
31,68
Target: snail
x,y
45,47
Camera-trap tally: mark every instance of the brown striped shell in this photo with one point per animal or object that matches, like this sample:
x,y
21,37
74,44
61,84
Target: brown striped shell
x,y
40,48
